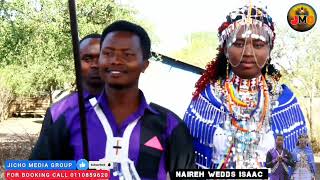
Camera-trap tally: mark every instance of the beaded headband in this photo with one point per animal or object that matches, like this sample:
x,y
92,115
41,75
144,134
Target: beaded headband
x,y
240,17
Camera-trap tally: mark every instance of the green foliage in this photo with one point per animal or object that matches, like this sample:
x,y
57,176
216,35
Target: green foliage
x,y
100,13
297,55
200,50
35,41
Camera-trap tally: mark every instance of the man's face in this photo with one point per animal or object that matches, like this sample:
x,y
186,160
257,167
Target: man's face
x,y
121,60
279,142
247,56
303,142
89,55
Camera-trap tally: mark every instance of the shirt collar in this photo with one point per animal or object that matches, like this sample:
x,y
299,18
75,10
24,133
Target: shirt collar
x,y
143,107
102,98
86,94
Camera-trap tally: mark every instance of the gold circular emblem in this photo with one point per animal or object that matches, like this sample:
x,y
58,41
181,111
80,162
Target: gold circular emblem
x,y
302,17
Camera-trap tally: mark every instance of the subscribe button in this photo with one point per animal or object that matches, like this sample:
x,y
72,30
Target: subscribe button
x,y
99,165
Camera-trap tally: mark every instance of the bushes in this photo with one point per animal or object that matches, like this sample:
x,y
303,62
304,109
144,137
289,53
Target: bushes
x,y
6,98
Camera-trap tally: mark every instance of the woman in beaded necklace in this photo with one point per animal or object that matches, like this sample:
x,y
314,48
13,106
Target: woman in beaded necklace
x,y
238,105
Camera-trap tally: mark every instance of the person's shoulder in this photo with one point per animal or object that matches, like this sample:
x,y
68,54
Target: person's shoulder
x,y
173,122
59,107
287,150
271,150
163,111
70,97
286,97
286,92
210,96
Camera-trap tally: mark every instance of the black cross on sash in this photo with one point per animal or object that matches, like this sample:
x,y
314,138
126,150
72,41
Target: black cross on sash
x,y
117,147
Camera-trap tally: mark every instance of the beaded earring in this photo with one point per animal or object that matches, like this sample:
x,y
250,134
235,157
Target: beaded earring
x,y
227,71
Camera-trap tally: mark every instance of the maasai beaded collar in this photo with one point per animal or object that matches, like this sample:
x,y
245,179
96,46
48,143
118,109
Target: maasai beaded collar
x,y
251,85
245,135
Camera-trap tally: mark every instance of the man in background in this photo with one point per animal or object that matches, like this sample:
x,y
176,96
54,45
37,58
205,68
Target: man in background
x,y
279,160
91,82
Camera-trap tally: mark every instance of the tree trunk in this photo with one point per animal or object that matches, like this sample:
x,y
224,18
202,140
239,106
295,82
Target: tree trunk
x,y
308,114
313,88
50,95
310,118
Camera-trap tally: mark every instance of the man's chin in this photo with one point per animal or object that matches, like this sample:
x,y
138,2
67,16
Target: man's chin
x,y
117,86
96,84
121,85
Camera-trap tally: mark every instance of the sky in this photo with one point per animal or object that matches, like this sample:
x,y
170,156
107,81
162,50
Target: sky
x,y
174,19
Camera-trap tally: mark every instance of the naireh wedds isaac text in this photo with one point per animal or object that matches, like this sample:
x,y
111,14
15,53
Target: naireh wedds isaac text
x,y
222,174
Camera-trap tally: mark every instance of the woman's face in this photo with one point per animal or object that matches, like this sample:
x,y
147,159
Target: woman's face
x,y
248,54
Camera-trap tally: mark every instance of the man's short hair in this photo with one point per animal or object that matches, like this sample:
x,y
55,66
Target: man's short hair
x,y
93,35
127,26
303,136
279,135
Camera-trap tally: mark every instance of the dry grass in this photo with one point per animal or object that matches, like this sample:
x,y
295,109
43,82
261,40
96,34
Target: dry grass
x,y
15,147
